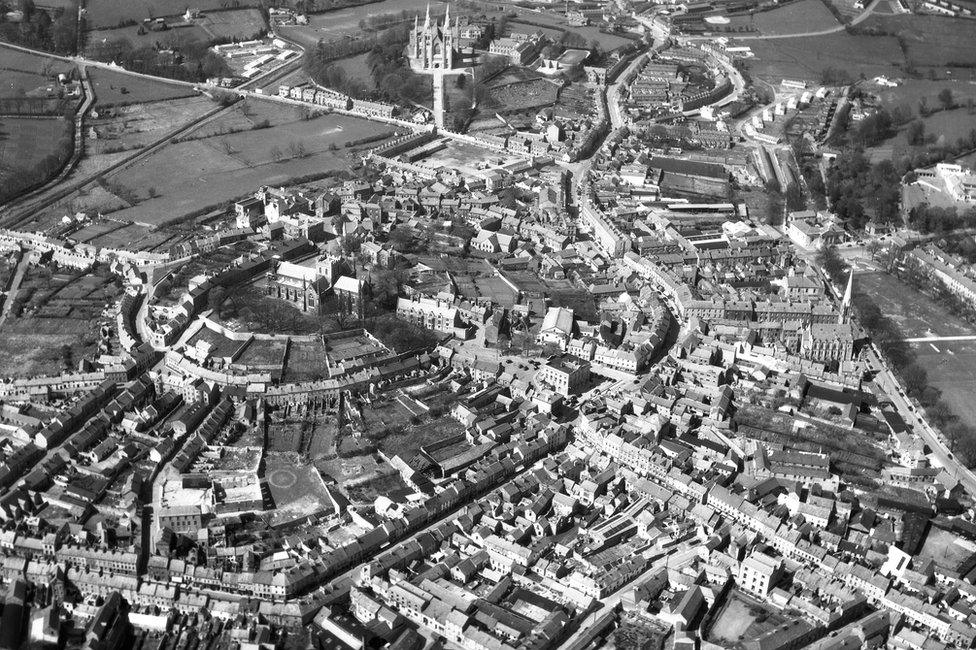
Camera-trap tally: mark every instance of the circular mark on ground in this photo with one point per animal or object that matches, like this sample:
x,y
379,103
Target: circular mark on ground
x,y
282,478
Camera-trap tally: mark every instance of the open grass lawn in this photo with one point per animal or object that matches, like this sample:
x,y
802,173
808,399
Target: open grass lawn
x,y
238,24
932,41
196,174
109,13
115,88
742,619
791,18
951,366
344,23
356,67
177,38
807,57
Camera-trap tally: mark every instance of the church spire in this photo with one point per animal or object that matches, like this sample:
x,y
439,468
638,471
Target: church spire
x,y
845,305
427,19
447,18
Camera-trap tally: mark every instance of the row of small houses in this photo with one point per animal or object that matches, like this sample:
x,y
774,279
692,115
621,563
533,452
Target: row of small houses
x,y
338,101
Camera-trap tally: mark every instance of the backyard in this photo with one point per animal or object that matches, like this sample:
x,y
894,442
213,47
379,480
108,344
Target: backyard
x,y
742,619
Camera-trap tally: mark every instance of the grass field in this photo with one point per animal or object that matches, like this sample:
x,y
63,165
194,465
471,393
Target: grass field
x,y
945,126
24,75
915,313
356,67
237,24
115,88
195,174
109,13
130,127
909,92
793,18
46,66
344,23
808,57
951,366
25,141
297,488
933,41
177,38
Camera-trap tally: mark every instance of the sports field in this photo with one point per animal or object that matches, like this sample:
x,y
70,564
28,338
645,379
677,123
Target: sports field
x,y
951,365
792,18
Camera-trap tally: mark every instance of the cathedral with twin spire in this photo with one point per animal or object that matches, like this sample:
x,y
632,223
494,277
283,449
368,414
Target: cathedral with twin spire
x,y
433,46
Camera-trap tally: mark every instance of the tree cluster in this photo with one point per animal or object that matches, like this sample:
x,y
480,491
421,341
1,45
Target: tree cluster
x,y
857,189
52,31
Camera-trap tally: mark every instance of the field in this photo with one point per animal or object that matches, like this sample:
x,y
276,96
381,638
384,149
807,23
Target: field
x,y
37,64
795,17
25,141
132,127
945,126
355,67
808,57
741,619
588,32
914,313
951,365
909,92
109,13
60,314
194,175
237,24
112,234
177,38
296,487
934,42
468,158
24,77
946,549
344,23
117,88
